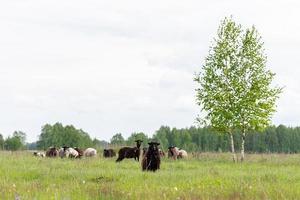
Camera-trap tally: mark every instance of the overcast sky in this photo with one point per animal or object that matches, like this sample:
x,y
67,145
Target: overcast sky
x,y
126,66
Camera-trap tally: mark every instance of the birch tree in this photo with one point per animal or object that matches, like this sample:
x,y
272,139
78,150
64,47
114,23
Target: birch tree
x,y
234,85
216,92
256,96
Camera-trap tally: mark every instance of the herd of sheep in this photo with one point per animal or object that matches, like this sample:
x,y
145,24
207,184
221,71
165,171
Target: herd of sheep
x,y
67,152
150,156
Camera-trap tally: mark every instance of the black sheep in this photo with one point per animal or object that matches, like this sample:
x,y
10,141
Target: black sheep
x,y
130,152
161,152
151,159
108,153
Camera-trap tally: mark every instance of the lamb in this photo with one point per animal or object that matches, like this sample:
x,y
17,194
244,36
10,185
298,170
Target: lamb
x,y
151,159
130,152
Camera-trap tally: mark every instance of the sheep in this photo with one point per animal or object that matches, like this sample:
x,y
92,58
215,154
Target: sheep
x,y
145,150
151,159
80,152
61,152
182,153
130,152
171,152
52,152
175,152
68,152
161,152
39,154
90,152
109,153
71,153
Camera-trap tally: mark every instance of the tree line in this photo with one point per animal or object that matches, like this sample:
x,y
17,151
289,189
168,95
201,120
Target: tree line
x,y
280,139
274,139
56,135
15,142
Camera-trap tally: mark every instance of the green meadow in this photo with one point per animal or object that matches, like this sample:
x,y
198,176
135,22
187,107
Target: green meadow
x,y
205,176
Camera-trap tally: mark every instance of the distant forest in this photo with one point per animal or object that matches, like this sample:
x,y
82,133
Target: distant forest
x,y
280,139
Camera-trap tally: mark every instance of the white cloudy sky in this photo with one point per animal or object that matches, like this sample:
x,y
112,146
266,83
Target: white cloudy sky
x,y
125,66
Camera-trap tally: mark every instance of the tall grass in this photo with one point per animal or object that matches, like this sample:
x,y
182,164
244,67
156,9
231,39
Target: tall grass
x,y
207,176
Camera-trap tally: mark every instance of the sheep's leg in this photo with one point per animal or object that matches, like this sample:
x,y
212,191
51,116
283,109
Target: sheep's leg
x,y
119,159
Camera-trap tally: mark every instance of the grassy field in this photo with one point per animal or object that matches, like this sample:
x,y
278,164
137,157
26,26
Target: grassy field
x,y
209,176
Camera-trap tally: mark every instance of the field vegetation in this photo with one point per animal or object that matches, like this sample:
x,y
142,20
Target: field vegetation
x,y
202,176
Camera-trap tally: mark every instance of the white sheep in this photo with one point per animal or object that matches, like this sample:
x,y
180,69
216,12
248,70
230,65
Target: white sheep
x,y
175,153
90,152
39,154
67,152
182,154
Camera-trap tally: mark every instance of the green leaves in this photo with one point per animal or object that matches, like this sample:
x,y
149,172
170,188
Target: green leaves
x,y
58,135
234,85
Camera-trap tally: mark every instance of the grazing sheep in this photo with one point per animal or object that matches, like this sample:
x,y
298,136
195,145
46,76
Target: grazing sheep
x,y
80,152
68,152
90,152
130,152
52,152
71,153
39,154
161,153
61,152
151,159
171,152
175,153
107,153
182,153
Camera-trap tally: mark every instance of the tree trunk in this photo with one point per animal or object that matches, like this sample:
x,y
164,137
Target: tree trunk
x,y
232,147
243,146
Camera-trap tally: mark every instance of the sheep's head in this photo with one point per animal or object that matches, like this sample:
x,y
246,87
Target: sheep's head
x,y
153,146
138,143
65,148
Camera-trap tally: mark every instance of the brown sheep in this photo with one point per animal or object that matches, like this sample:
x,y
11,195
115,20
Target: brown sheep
x,y
52,152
